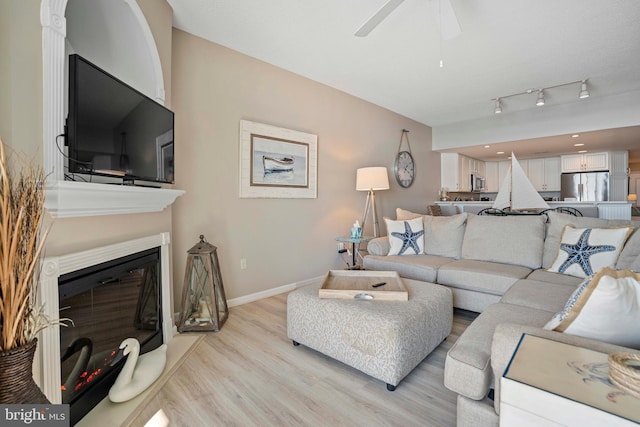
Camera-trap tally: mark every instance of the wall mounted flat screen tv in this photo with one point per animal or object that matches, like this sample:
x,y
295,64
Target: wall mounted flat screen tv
x,y
114,130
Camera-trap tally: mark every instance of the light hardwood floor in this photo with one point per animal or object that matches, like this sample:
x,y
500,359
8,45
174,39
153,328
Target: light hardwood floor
x,y
249,374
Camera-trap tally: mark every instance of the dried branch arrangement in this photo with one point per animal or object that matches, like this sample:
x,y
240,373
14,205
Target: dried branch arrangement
x,y
21,243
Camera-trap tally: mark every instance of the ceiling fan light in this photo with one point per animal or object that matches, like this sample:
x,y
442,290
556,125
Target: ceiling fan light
x,y
498,108
584,93
540,101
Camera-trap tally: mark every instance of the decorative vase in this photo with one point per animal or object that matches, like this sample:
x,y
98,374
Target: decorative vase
x,y
16,378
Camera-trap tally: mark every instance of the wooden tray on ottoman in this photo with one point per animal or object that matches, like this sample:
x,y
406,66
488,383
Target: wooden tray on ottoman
x,y
358,284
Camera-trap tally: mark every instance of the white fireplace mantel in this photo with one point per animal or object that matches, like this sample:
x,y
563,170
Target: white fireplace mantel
x,y
65,199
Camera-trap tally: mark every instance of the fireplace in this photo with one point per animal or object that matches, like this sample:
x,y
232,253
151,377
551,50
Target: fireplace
x,y
107,303
111,293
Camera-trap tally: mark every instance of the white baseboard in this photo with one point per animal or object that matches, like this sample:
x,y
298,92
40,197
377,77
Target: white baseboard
x,y
272,292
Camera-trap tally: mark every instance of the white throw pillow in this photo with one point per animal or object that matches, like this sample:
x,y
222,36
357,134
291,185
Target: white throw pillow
x,y
405,237
402,215
584,251
442,234
605,307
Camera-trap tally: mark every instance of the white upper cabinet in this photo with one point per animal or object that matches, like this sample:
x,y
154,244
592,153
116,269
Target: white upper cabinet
x,y
536,173
492,177
503,168
552,174
450,171
585,162
456,171
619,162
544,174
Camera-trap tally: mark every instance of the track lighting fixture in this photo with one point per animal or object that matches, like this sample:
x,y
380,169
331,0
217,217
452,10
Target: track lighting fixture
x,y
498,109
540,101
584,93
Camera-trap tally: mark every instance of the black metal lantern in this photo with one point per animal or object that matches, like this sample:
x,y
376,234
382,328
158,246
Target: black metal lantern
x,y
204,305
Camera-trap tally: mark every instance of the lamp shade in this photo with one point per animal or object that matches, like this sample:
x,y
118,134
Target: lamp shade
x,y
632,197
373,178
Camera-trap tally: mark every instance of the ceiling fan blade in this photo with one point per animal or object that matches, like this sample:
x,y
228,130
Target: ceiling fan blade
x,y
378,17
446,20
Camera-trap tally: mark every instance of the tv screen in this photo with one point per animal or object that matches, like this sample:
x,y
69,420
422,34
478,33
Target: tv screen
x,y
114,130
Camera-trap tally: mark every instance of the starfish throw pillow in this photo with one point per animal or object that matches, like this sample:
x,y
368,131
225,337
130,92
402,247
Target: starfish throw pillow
x,y
605,307
584,251
405,237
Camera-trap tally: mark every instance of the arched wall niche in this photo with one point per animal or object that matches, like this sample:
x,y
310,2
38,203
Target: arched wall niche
x,y
115,35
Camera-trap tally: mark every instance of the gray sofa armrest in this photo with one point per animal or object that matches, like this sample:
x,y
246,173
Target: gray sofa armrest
x,y
378,246
507,336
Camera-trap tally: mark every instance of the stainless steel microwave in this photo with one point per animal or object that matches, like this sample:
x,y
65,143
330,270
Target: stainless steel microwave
x,y
478,183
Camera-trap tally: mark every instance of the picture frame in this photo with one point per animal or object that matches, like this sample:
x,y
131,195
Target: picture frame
x,y
277,162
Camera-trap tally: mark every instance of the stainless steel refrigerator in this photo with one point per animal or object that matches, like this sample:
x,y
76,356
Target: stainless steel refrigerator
x,y
585,186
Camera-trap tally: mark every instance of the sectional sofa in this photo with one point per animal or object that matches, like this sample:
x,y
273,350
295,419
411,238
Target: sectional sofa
x,y
497,266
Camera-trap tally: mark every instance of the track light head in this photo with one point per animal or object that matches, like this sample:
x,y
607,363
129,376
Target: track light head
x,y
584,93
498,108
540,101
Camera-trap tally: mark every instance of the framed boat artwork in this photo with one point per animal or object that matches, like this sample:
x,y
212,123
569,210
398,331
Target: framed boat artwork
x,y
277,162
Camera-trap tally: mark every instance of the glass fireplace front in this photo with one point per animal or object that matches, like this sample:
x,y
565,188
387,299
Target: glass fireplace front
x,y
107,303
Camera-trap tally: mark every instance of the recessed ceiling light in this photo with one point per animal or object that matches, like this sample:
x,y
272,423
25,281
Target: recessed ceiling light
x,y
582,151
578,145
575,135
500,152
487,146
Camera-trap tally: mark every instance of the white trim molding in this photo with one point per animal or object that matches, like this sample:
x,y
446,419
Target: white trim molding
x,y
47,361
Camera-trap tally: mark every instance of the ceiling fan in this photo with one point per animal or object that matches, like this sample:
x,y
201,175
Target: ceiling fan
x,y
443,14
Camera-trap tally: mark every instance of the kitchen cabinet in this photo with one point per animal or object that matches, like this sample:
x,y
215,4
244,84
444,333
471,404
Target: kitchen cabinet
x,y
503,168
585,162
544,173
450,171
492,177
618,178
456,170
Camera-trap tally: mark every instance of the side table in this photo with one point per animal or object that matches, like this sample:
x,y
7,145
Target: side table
x,y
355,248
549,383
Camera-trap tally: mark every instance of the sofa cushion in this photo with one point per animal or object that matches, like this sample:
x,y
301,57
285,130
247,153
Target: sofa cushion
x,y
557,222
442,234
405,237
605,307
483,276
584,251
542,275
546,296
467,369
517,240
630,252
417,267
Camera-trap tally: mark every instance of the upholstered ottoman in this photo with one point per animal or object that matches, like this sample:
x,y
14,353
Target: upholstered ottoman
x,y
384,339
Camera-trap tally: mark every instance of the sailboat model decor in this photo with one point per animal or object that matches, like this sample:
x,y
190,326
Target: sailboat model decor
x,y
516,193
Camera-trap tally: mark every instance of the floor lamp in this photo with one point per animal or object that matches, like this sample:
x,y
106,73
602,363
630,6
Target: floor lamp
x,y
370,180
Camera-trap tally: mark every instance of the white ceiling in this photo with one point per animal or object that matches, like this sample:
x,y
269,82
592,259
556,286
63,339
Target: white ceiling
x,y
506,47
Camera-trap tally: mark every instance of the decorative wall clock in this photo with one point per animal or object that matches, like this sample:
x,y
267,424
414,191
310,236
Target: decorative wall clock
x,y
404,168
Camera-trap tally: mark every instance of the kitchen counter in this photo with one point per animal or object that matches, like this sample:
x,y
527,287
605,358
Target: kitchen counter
x,y
607,210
